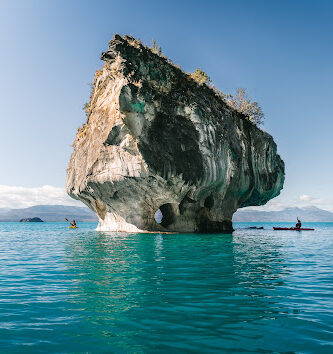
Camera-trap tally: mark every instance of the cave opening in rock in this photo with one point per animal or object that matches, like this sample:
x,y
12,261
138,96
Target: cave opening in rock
x,y
166,214
209,202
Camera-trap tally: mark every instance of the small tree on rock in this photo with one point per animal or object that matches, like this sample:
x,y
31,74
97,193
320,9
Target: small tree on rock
x,y
200,77
155,48
243,104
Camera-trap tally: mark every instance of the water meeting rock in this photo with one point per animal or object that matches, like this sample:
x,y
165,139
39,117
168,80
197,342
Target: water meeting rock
x,y
157,140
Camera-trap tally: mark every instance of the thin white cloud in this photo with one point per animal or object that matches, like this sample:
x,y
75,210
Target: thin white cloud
x,y
305,197
23,197
326,204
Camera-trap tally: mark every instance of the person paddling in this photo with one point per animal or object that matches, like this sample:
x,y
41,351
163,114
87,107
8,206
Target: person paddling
x,y
73,223
299,224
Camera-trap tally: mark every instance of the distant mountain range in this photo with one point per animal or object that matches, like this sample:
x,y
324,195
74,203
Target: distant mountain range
x,y
49,213
82,214
306,214
3,210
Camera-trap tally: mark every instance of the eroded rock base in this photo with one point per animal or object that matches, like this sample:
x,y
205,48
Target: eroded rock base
x,y
115,223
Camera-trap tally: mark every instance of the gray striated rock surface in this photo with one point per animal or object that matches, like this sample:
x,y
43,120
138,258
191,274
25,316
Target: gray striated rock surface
x,y
155,139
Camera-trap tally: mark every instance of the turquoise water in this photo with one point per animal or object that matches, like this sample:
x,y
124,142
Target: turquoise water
x,y
85,291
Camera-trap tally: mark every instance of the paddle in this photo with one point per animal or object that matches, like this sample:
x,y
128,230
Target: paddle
x,y
71,225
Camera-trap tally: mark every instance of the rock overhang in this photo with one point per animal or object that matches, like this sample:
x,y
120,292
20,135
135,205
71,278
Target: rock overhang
x,y
156,139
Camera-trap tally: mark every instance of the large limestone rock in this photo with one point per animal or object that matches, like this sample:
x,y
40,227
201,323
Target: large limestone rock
x,y
155,139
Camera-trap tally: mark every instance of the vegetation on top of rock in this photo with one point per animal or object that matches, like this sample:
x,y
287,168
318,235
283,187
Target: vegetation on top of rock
x,y
81,131
239,101
243,104
200,77
156,49
87,106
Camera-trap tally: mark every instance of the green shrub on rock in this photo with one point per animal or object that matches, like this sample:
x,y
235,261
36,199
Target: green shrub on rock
x,y
200,77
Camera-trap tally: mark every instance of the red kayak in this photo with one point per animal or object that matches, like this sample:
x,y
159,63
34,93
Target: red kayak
x,y
292,229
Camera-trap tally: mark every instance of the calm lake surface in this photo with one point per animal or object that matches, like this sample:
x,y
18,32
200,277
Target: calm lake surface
x,y
85,291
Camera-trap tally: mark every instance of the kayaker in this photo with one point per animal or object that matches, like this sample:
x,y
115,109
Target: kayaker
x,y
74,223
299,224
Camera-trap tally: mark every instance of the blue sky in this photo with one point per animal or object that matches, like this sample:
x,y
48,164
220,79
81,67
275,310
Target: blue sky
x,y
281,51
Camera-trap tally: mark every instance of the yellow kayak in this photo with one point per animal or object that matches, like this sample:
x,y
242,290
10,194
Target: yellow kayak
x,y
72,227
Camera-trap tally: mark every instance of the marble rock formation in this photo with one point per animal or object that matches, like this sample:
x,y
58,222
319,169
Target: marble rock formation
x,y
157,140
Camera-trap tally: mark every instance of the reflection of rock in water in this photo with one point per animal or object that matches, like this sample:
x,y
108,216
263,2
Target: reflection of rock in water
x,y
131,285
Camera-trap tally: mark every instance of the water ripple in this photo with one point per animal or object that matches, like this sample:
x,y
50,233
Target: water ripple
x,y
82,291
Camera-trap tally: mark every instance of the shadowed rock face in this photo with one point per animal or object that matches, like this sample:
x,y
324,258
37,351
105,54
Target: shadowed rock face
x,y
155,139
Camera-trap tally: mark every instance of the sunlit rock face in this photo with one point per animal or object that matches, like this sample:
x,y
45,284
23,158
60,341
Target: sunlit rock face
x,y
156,140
